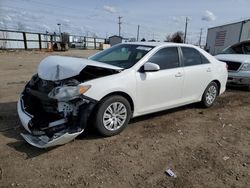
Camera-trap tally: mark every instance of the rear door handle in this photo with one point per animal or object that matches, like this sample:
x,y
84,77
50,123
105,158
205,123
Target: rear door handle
x,y
209,70
178,74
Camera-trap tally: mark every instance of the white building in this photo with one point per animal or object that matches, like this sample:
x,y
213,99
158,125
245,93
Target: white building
x,y
220,37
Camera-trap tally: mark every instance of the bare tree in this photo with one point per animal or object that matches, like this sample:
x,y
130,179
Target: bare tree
x,y
168,38
177,37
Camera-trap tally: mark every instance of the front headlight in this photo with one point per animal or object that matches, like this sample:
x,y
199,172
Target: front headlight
x,y
66,93
245,67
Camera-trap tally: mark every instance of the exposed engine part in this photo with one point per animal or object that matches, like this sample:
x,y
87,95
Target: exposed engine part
x,y
70,82
58,122
66,108
78,104
69,108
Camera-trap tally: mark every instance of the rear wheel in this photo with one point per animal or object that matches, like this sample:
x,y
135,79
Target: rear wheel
x,y
210,95
113,115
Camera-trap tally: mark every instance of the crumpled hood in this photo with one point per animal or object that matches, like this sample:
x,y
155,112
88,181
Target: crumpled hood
x,y
241,58
55,68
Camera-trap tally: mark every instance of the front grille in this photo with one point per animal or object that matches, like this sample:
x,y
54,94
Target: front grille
x,y
233,66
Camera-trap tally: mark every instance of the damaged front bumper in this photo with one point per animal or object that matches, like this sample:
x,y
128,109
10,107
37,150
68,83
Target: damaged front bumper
x,y
42,130
43,141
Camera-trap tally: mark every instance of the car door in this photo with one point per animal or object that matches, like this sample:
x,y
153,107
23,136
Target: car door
x,y
160,89
197,74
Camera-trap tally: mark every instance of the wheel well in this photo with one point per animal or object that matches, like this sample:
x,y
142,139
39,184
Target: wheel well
x,y
125,95
218,84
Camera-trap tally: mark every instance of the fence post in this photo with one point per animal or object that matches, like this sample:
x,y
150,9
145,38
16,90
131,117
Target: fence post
x,y
95,43
40,42
25,41
85,44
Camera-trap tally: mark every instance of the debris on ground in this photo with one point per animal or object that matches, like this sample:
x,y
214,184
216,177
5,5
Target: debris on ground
x,y
180,132
225,158
219,143
170,173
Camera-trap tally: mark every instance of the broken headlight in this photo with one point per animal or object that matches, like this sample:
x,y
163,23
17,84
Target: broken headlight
x,y
66,93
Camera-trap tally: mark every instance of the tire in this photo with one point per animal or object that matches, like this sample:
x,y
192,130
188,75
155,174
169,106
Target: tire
x,y
210,94
112,115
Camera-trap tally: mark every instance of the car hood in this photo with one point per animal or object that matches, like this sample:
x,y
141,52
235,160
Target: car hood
x,y
234,57
55,68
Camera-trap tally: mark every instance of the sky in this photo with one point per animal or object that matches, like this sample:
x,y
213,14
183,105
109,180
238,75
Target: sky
x,y
157,18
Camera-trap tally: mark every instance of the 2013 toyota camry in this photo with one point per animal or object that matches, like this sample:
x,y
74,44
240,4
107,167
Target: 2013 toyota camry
x,y
109,88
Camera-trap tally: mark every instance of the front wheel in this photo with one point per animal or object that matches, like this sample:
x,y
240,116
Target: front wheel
x,y
113,115
210,95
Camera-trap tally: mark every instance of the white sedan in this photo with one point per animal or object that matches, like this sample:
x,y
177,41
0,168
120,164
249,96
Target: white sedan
x,y
109,88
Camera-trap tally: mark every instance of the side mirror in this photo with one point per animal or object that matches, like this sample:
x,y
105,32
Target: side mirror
x,y
151,67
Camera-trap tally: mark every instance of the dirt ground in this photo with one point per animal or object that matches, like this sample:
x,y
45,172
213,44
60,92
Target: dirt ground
x,y
204,147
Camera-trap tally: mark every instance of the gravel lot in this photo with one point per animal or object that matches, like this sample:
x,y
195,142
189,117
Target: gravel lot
x,y
204,147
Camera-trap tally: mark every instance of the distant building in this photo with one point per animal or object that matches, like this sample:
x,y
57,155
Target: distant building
x,y
220,37
113,40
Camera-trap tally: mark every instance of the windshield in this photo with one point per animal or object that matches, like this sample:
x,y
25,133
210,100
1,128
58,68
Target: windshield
x,y
243,48
122,55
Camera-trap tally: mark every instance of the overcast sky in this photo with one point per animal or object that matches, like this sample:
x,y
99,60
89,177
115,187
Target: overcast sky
x,y
157,18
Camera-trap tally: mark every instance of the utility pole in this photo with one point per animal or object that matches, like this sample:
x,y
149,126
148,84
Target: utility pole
x,y
119,23
185,34
200,37
59,26
138,32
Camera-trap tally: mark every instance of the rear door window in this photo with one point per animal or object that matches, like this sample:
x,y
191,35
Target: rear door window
x,y
193,57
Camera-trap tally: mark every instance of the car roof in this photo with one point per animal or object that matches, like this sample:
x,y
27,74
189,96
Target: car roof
x,y
156,44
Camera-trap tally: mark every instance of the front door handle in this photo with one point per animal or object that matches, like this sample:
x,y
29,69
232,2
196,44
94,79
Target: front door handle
x,y
209,70
178,74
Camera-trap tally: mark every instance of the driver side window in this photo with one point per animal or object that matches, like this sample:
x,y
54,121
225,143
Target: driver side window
x,y
166,58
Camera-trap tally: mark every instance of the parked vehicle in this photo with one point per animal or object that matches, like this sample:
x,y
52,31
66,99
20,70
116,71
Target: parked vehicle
x,y
237,58
109,88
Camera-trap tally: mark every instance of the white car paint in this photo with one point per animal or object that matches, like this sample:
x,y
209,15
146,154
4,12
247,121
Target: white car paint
x,y
60,67
149,91
143,87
